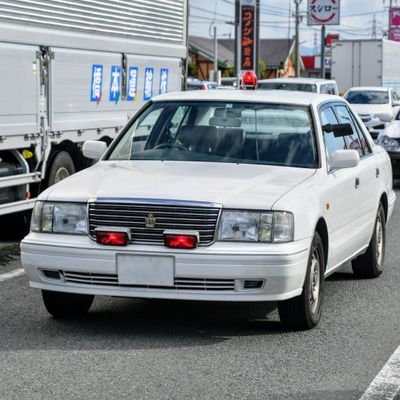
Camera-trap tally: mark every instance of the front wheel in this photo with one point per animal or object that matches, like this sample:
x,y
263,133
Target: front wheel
x,y
304,311
66,305
370,264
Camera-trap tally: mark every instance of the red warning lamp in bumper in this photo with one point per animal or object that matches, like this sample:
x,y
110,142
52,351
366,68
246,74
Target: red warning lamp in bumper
x,y
181,239
110,236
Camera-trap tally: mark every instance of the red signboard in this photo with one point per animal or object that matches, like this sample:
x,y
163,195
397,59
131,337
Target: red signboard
x,y
247,41
394,29
331,38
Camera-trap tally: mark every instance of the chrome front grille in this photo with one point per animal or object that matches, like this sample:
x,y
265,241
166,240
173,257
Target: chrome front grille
x,y
202,284
135,217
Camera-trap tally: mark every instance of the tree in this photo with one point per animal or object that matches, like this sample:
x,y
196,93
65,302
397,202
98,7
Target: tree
x,y
192,69
262,68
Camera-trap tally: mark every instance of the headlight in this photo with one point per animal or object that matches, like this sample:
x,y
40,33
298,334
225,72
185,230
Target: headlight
x,y
276,226
388,143
59,218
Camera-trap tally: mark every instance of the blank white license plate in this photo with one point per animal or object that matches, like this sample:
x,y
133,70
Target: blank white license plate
x,y
145,270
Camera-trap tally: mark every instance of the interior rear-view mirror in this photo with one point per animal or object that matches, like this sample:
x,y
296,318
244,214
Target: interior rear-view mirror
x,y
338,129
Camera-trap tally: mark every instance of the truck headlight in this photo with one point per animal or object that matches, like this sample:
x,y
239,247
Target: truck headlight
x,y
253,226
388,143
55,217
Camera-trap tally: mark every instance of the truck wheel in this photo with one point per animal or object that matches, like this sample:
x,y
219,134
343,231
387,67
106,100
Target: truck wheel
x,y
62,167
304,311
370,264
66,305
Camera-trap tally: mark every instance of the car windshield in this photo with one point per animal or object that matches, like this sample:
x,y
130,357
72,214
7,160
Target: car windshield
x,y
302,87
367,97
220,132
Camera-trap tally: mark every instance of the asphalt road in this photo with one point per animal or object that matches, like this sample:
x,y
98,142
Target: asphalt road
x,y
130,349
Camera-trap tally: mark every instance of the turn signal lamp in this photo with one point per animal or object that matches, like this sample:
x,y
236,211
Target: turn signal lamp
x,y
181,240
249,80
112,238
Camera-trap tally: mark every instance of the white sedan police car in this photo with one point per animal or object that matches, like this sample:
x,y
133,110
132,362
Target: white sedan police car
x,y
248,196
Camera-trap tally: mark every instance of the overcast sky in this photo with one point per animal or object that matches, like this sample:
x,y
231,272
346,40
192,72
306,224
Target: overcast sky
x,y
357,18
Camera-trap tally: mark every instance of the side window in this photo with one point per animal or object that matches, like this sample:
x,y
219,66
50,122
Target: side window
x,y
395,98
332,143
324,89
331,89
352,141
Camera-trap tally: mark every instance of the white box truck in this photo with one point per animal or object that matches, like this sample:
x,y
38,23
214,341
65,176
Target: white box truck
x,y
77,70
366,63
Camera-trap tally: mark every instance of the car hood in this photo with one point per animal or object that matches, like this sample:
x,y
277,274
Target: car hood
x,y
377,109
232,185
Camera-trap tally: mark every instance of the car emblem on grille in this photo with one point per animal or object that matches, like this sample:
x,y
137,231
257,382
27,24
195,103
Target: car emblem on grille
x,y
150,221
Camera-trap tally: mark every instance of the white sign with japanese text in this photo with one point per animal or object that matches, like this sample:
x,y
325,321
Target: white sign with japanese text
x,y
323,12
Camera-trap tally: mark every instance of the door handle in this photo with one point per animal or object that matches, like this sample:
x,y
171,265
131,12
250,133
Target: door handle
x,y
377,172
357,183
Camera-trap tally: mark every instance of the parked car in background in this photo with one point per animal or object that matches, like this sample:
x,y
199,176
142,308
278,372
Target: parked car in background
x,y
197,84
324,86
375,105
389,138
239,196
229,81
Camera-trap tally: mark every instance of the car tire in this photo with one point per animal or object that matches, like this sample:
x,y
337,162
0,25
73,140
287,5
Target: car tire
x,y
370,264
304,311
66,305
61,167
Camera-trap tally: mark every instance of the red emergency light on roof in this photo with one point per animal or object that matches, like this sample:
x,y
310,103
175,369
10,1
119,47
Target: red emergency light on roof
x,y
249,80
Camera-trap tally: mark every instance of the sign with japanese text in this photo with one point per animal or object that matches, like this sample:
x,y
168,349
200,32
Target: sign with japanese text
x,y
132,83
163,80
394,29
323,12
96,85
148,83
247,37
115,83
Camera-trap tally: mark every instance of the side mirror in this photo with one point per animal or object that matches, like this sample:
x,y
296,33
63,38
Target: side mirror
x,y
385,117
94,149
344,159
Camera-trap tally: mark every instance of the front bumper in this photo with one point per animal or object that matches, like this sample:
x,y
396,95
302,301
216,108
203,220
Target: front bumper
x,y
220,272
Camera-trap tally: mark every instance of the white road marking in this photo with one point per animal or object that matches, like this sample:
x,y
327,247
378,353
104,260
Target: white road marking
x,y
11,274
386,385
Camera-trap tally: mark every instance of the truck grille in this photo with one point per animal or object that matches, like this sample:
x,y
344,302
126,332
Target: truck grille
x,y
206,284
136,216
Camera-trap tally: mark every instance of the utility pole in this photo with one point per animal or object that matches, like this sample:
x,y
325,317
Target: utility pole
x,y
215,54
297,38
323,51
389,21
315,51
373,36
